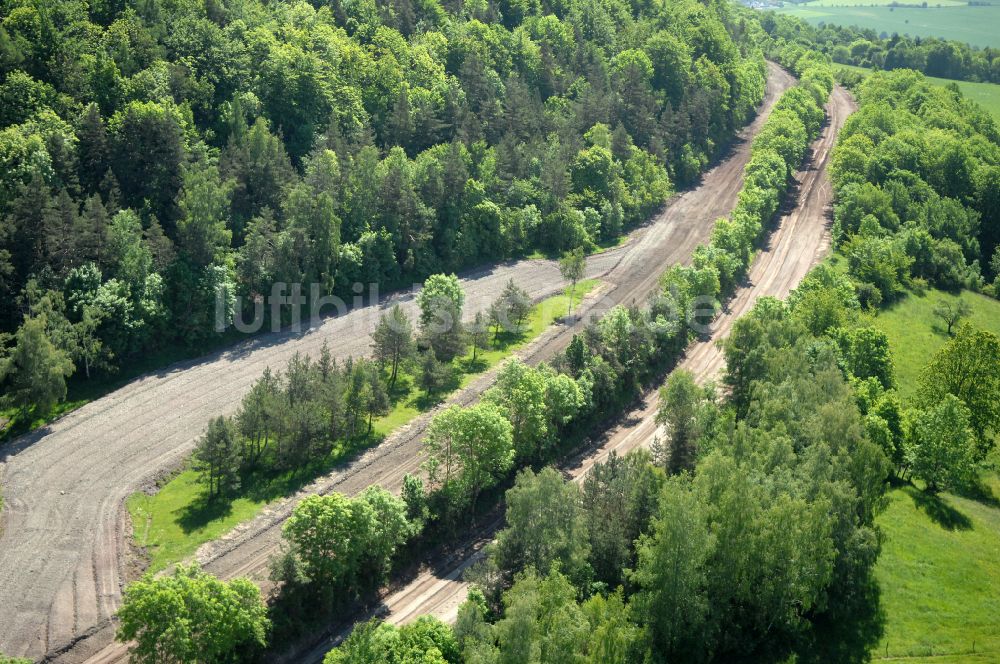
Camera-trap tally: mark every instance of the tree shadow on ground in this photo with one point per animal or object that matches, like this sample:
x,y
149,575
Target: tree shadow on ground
x,y
468,366
939,511
981,492
849,633
424,401
203,511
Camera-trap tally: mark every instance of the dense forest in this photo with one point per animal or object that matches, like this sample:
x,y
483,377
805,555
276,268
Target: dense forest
x,y
750,532
917,180
751,525
338,548
160,157
864,47
750,535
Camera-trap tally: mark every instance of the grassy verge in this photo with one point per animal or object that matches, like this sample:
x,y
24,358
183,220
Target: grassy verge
x,y
176,520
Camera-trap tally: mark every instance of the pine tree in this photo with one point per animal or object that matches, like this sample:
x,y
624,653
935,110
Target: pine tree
x,y
392,341
217,457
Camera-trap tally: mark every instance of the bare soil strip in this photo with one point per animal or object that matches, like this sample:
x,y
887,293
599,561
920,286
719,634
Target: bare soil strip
x,y
64,540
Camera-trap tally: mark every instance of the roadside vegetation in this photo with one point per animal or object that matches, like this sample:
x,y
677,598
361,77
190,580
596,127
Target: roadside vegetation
x,y
184,513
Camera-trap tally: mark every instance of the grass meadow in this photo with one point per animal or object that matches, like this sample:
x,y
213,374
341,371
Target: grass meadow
x,y
977,25
939,572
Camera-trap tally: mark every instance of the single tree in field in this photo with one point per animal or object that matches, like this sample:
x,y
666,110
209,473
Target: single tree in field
x,y
509,310
434,374
479,334
680,400
517,303
191,616
952,312
941,448
255,420
392,341
498,318
356,395
571,267
217,457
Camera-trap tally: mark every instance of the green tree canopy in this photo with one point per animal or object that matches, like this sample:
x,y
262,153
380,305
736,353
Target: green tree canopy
x,y
190,616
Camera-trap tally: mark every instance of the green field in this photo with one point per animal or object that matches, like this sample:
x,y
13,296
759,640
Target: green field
x,y
986,95
975,25
880,3
915,334
172,523
939,571
939,575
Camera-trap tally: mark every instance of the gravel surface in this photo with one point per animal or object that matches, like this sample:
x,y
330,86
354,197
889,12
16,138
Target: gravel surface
x,y
64,543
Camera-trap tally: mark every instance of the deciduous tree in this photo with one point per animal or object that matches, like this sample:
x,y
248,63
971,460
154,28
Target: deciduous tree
x,y
545,529
951,313
940,445
468,450
35,370
967,368
191,616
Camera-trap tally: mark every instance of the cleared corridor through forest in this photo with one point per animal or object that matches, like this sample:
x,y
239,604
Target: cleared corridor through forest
x,y
64,545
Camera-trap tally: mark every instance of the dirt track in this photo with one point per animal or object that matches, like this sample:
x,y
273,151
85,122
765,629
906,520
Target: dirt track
x,y
799,241
64,535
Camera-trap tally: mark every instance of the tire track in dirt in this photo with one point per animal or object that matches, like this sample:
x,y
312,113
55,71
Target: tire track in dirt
x,y
799,241
126,438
